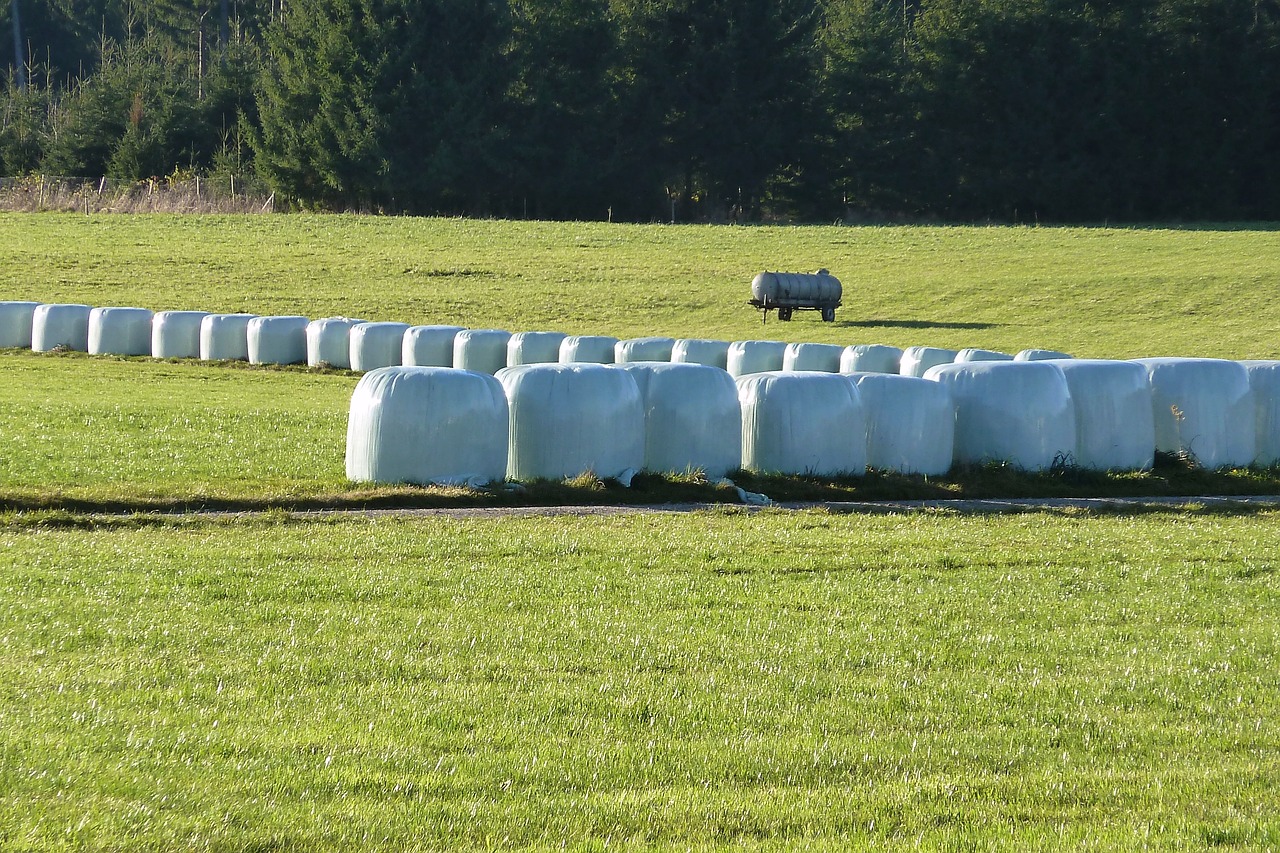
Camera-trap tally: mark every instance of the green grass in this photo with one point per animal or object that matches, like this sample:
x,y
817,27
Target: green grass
x,y
689,682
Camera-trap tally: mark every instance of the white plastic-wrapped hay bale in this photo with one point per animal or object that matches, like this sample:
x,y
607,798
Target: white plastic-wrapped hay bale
x,y
481,350
587,349
60,325
748,357
972,354
823,358
225,337
1203,407
1040,355
567,419
917,361
1114,426
15,323
120,331
278,340
692,418
1264,382
176,334
870,358
643,349
910,423
427,425
701,351
534,348
1007,411
802,422
428,346
375,345
329,342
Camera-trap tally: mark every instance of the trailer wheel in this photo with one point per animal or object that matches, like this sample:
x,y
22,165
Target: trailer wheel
x,y
784,314
828,315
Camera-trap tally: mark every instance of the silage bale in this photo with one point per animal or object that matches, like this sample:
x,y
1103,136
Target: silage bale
x,y
870,358
1040,355
916,361
910,423
1115,430
971,354
278,340
699,351
1264,382
428,346
481,350
15,323
802,423
1013,412
120,331
567,419
534,348
643,349
329,342
427,425
587,349
747,357
60,325
1204,408
176,334
692,418
824,358
374,345
225,337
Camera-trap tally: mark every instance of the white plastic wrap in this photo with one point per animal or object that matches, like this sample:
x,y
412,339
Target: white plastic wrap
x,y
870,358
747,357
481,350
329,342
15,323
567,419
1203,407
225,337
60,325
534,348
802,423
692,418
278,340
587,349
1264,381
176,334
428,346
1008,411
374,345
910,423
697,351
916,361
643,349
1040,355
1115,430
120,331
824,358
427,425
981,355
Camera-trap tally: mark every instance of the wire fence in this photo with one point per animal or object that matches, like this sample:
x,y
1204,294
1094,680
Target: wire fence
x,y
223,193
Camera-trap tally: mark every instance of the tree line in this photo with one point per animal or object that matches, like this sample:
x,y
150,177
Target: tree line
x,y
718,110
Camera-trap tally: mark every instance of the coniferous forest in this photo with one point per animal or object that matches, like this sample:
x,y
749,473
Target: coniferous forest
x,y
694,110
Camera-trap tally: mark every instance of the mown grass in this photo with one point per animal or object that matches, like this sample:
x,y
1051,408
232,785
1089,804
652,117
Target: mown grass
x,y
678,682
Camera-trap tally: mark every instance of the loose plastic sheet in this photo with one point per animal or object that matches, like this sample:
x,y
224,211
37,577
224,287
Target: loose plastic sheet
x,y
692,418
966,355
176,334
15,323
1115,430
534,348
1203,407
278,340
1040,355
427,425
1264,381
375,345
910,423
698,351
587,349
429,346
481,350
329,342
61,324
824,358
120,331
225,337
643,349
1007,411
747,357
870,358
802,423
916,361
